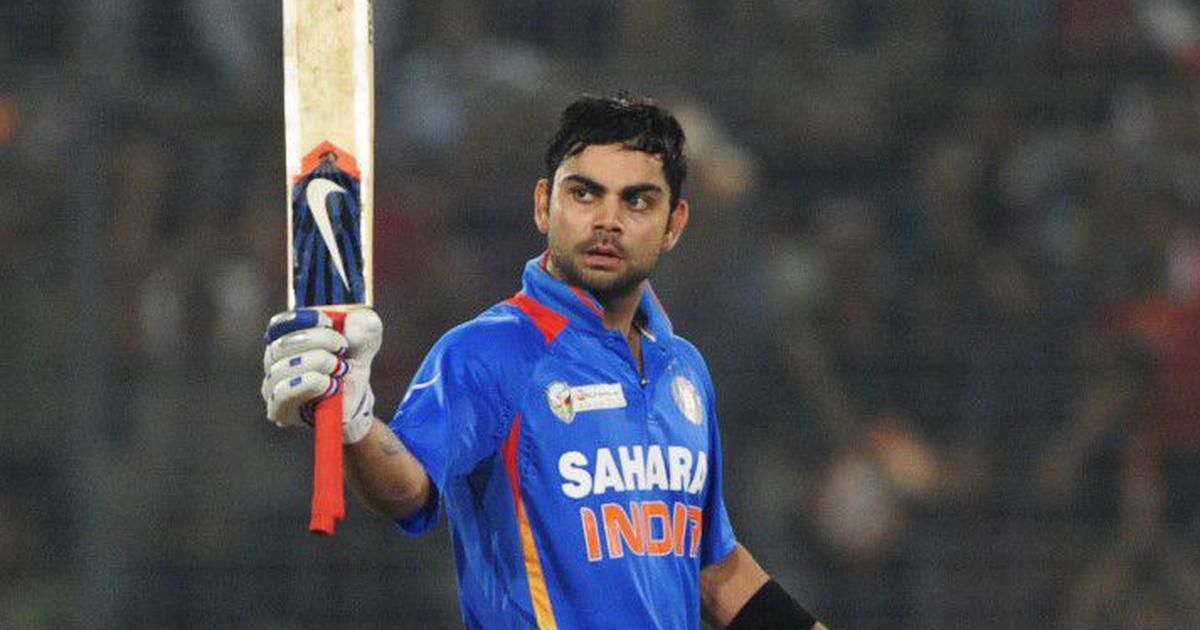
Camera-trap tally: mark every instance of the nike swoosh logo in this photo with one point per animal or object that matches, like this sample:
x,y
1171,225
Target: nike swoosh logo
x,y
316,193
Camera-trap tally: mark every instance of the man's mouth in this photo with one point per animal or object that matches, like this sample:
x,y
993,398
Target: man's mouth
x,y
604,256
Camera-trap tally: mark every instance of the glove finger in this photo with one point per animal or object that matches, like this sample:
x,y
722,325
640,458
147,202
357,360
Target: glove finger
x,y
300,341
320,361
288,397
291,321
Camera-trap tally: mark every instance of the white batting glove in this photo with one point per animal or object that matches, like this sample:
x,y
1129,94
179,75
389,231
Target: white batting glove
x,y
307,361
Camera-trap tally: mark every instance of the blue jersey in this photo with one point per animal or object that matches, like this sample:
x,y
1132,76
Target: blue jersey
x,y
581,493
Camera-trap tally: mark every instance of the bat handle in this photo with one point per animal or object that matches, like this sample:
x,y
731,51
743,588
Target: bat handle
x,y
328,499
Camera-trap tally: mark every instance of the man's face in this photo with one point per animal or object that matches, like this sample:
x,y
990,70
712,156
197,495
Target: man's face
x,y
607,218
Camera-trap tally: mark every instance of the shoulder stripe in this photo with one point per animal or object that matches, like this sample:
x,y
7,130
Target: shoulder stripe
x,y
539,593
547,320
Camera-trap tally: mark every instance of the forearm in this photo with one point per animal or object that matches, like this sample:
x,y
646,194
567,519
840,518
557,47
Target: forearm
x,y
737,593
385,475
728,585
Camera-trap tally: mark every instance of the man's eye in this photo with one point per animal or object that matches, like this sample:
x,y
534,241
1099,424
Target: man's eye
x,y
638,203
582,194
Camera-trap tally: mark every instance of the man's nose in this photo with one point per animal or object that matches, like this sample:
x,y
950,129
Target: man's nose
x,y
608,216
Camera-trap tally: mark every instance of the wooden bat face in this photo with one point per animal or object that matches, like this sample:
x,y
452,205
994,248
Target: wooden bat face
x,y
328,56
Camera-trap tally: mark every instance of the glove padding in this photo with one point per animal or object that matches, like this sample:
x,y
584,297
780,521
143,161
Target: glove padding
x,y
307,361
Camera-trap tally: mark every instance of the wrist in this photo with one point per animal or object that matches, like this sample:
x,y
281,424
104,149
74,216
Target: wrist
x,y
772,607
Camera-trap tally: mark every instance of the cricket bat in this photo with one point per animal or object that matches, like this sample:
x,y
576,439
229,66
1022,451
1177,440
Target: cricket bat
x,y
329,111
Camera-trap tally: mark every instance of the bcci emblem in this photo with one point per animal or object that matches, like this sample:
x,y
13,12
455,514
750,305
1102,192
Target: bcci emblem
x,y
558,394
688,400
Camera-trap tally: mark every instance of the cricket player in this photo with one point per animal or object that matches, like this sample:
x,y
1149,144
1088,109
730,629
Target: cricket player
x,y
568,433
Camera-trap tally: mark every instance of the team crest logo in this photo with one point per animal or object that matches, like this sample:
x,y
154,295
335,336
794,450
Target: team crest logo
x,y
558,394
687,398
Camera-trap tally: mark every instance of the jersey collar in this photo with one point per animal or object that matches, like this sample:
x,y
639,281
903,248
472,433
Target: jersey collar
x,y
583,310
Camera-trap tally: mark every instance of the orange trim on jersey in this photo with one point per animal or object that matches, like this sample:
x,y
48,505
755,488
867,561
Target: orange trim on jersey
x,y
538,591
549,322
341,157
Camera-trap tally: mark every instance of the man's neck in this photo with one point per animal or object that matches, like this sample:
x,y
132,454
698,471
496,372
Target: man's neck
x,y
619,310
619,313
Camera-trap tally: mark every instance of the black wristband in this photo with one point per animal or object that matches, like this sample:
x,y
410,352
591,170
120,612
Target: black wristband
x,y
771,608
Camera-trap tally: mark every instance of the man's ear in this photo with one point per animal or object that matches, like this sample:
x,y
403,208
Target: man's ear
x,y
541,205
675,225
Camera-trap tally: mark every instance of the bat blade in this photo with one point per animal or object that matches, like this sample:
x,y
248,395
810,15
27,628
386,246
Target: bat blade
x,y
329,109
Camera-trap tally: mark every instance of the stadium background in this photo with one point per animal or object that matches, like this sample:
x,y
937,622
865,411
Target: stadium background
x,y
944,263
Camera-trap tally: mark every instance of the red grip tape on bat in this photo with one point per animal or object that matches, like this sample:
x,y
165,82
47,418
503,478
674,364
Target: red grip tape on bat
x,y
329,498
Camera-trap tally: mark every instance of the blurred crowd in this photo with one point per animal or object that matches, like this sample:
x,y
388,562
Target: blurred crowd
x,y
944,264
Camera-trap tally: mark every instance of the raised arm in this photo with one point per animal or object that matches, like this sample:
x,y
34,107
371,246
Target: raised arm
x,y
386,477
307,360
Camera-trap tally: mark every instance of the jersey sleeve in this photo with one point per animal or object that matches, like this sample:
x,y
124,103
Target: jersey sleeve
x,y
453,415
718,540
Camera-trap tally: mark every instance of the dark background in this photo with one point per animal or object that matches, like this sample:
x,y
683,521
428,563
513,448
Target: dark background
x,y
944,263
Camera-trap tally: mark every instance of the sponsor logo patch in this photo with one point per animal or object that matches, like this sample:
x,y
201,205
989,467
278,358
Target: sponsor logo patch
x,y
566,401
596,397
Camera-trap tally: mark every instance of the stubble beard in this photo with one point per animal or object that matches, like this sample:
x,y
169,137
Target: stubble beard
x,y
605,287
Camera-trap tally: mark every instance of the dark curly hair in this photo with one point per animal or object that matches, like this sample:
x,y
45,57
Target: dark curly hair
x,y
637,123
